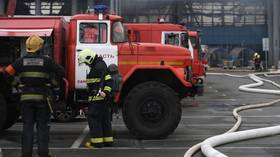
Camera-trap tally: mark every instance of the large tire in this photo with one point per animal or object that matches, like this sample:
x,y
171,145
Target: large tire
x,y
152,110
3,112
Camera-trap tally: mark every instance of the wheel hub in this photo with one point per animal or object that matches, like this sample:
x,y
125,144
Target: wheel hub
x,y
152,111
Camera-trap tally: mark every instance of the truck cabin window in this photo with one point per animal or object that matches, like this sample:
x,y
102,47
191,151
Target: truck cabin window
x,y
184,40
93,33
172,39
119,33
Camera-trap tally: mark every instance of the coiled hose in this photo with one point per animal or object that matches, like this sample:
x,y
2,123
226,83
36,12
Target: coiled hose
x,y
206,146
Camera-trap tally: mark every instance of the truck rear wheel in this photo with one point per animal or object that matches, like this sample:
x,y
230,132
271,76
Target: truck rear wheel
x,y
152,110
3,112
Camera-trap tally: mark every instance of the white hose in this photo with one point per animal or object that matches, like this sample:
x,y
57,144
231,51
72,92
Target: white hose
x,y
196,147
237,124
207,145
239,76
249,87
238,118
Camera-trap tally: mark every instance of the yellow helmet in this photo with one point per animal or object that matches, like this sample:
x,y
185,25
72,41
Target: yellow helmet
x,y
86,56
34,43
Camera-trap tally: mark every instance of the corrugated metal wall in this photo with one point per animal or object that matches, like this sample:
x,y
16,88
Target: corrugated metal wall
x,y
224,35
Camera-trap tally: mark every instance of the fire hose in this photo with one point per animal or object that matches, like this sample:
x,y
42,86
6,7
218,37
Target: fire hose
x,y
229,136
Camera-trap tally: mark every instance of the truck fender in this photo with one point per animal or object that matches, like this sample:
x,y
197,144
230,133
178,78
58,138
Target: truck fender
x,y
178,72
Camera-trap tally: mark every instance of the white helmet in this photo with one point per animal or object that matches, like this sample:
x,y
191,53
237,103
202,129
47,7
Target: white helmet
x,y
86,56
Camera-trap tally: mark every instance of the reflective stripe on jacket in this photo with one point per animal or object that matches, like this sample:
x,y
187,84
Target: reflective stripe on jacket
x,y
98,79
34,74
26,97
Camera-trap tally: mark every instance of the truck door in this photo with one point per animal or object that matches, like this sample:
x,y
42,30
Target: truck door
x,y
94,35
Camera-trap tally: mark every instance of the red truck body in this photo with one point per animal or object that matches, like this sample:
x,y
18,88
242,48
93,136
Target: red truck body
x,y
158,32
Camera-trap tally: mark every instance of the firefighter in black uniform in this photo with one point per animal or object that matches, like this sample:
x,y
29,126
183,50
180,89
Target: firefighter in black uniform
x,y
257,61
99,83
35,71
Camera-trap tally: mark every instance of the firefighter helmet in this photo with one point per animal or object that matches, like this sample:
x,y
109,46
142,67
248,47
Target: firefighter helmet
x,y
34,43
86,56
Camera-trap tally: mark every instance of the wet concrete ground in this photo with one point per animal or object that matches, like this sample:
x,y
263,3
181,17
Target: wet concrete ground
x,y
202,117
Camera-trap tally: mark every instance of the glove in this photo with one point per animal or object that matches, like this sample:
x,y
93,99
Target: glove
x,y
101,93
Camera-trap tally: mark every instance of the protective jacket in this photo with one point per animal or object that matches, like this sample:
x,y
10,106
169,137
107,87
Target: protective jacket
x,y
98,79
35,72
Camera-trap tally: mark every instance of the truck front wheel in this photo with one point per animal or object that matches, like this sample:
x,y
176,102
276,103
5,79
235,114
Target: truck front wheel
x,y
152,110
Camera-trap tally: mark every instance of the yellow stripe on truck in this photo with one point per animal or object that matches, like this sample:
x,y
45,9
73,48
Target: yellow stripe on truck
x,y
151,62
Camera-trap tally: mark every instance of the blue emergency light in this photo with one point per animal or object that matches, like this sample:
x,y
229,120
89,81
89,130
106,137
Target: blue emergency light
x,y
101,8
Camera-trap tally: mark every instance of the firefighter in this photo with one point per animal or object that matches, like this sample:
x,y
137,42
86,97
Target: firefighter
x,y
99,83
34,71
257,61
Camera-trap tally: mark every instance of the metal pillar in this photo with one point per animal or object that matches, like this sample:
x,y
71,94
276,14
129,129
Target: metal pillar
x,y
276,34
119,7
90,3
38,7
115,6
74,9
2,7
112,6
270,31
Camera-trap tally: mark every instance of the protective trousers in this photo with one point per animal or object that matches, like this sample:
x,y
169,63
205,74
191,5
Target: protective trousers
x,y
35,112
99,119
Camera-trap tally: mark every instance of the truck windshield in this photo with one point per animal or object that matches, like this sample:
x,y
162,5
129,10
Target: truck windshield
x,y
172,39
91,33
119,33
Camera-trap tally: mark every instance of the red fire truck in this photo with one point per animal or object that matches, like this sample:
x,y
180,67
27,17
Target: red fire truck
x,y
155,76
172,34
